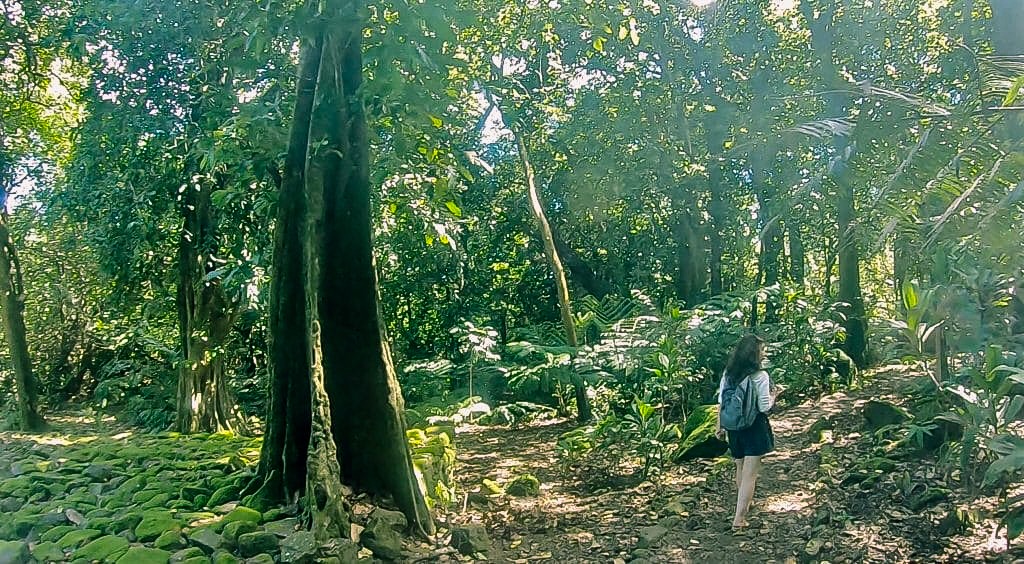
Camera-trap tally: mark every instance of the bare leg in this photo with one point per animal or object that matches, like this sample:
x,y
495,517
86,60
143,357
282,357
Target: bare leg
x,y
739,473
751,466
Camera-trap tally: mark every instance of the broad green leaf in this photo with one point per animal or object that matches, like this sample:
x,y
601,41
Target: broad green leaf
x,y
454,208
1014,92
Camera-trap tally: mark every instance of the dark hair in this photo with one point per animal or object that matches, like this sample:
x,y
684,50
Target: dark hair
x,y
745,358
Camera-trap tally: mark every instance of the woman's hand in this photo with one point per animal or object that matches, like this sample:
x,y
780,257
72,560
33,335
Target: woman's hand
x,y
720,433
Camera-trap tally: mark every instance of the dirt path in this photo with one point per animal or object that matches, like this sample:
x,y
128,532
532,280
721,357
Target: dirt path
x,y
802,512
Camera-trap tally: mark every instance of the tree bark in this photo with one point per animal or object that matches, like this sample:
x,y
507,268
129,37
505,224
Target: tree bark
x,y
581,272
205,318
13,291
768,261
367,409
565,307
281,474
822,25
691,254
797,255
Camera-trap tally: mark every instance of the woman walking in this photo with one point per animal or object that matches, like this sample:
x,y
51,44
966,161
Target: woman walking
x,y
750,388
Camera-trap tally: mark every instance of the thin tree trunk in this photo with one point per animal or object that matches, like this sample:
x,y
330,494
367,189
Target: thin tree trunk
x,y
717,209
822,25
13,291
797,255
771,243
565,307
205,318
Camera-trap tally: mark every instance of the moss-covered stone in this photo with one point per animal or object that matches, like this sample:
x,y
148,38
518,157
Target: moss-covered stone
x,y
144,555
699,440
299,548
125,522
240,513
55,534
223,495
224,557
15,552
48,552
206,539
103,548
878,414
186,554
927,498
78,537
524,485
380,538
154,524
170,540
259,542
236,529
144,496
159,500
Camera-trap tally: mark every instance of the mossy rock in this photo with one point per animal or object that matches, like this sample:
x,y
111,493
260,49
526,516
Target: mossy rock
x,y
144,496
159,500
236,529
699,440
240,513
879,464
131,486
144,555
48,552
878,414
14,552
224,557
187,554
78,537
524,485
170,540
102,524
223,495
126,522
927,498
93,514
154,524
55,534
259,542
103,548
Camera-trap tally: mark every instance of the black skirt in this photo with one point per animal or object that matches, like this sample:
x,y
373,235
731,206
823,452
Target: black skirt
x,y
756,440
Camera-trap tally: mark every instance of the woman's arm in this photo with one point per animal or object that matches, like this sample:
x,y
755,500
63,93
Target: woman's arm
x,y
765,395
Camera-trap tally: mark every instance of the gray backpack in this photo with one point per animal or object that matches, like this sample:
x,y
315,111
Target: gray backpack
x,y
738,407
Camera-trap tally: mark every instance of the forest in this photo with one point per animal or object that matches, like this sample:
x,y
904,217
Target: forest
x,y
336,281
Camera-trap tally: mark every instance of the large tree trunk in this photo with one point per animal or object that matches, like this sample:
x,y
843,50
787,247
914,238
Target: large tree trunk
x,y
205,318
797,255
14,328
335,408
282,468
822,25
565,307
367,409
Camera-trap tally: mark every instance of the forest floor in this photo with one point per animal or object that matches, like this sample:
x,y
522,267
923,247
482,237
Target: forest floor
x,y
91,489
807,506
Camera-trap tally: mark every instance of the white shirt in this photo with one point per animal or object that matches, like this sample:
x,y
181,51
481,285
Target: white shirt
x,y
762,387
